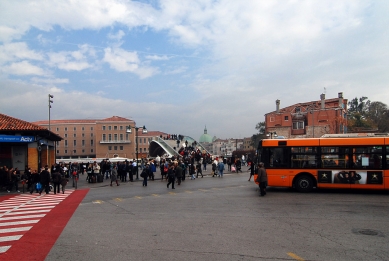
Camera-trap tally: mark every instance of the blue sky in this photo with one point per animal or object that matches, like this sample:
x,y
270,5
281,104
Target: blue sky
x,y
176,66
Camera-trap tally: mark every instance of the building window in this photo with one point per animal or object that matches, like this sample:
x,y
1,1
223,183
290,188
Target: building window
x,y
298,125
91,134
66,135
272,119
109,127
144,140
109,147
83,151
57,151
103,127
66,128
66,151
286,118
74,128
83,143
83,135
91,128
121,137
91,142
115,137
140,150
104,137
121,127
74,151
115,127
66,143
83,128
91,150
120,147
115,147
74,142
57,129
297,109
140,140
109,137
74,135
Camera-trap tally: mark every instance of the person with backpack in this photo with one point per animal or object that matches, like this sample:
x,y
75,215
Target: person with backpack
x,y
145,174
153,169
198,170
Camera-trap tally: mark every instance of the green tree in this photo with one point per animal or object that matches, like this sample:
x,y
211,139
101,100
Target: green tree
x,y
260,127
378,114
357,114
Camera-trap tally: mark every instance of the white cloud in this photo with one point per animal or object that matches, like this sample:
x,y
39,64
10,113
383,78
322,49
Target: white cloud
x,y
124,61
118,36
157,57
72,60
17,51
23,68
49,81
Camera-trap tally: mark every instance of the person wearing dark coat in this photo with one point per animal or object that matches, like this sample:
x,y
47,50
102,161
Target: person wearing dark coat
x,y
179,172
45,180
262,179
57,178
33,180
171,174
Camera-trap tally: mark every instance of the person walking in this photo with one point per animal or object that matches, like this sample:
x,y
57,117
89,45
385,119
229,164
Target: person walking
x,y
192,169
262,179
252,169
179,172
198,170
13,180
220,167
34,179
171,174
56,177
114,175
64,182
44,177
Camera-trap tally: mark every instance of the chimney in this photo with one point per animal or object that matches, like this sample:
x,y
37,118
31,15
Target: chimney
x,y
323,103
277,106
340,96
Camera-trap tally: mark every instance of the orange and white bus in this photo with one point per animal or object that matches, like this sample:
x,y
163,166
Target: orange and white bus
x,y
333,161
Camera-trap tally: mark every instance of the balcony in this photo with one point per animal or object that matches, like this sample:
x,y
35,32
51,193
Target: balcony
x,y
115,141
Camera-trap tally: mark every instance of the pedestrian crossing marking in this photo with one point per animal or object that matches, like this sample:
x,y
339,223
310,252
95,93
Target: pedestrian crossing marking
x,y
20,213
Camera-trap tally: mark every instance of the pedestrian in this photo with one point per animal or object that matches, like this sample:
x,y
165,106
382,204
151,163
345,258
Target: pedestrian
x,y
13,180
253,169
44,177
34,179
192,169
238,166
205,163
130,169
171,173
145,175
114,176
64,182
179,172
198,170
262,179
56,177
213,169
220,167
153,169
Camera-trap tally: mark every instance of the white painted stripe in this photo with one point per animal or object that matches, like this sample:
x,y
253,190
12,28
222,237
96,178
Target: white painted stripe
x,y
19,223
26,212
15,229
10,238
22,217
32,207
4,249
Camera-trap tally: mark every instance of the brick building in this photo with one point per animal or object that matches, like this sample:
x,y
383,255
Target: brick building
x,y
99,138
308,119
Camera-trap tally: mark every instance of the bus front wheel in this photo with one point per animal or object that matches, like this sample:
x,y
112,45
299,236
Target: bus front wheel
x,y
304,184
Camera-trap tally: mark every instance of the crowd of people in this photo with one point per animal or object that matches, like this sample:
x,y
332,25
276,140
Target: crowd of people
x,y
191,163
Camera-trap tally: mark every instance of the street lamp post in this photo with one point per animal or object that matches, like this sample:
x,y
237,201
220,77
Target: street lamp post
x,y
272,134
144,131
47,145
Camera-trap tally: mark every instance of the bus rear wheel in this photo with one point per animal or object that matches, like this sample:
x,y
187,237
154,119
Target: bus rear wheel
x,y
304,183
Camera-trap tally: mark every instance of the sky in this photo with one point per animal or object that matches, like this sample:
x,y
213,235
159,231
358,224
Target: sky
x,y
177,66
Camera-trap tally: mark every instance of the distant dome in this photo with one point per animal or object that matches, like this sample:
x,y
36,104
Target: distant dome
x,y
205,138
